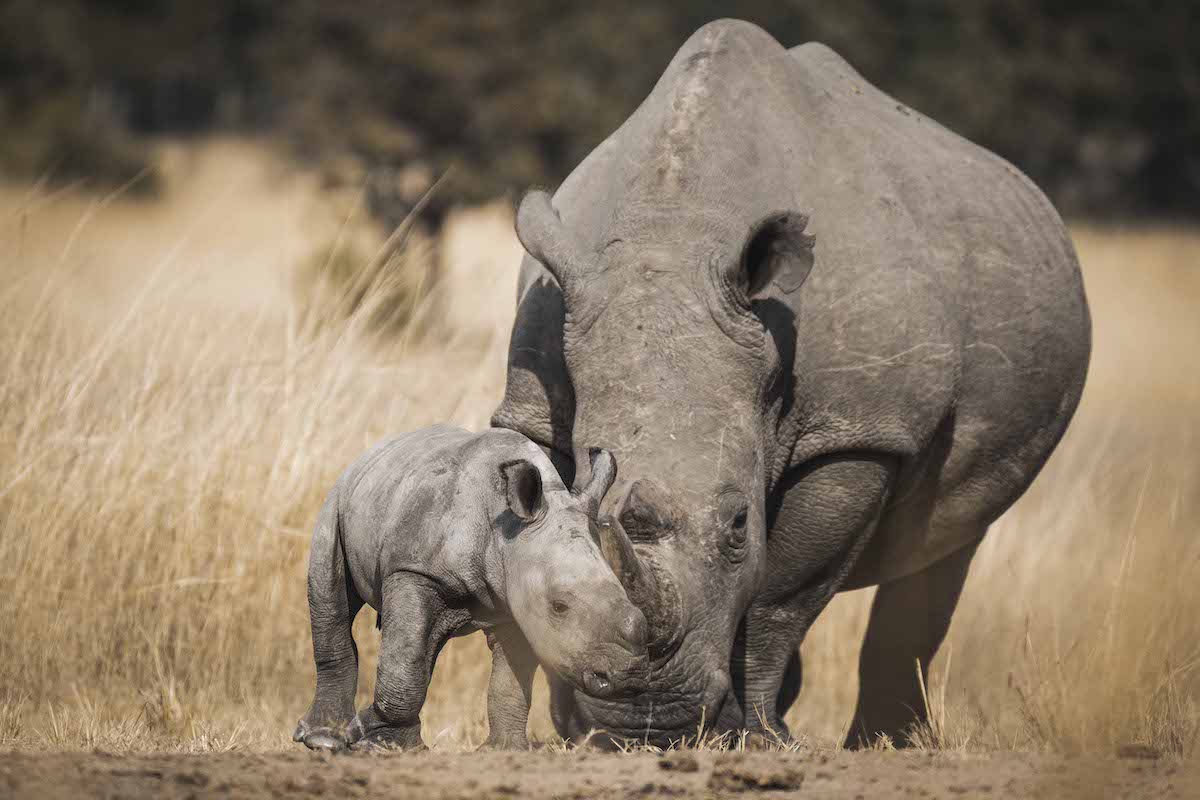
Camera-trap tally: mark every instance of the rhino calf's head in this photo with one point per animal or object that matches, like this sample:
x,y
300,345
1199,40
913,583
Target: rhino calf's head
x,y
562,593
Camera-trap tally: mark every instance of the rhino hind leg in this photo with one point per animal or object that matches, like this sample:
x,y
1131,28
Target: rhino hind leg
x,y
789,687
333,604
909,619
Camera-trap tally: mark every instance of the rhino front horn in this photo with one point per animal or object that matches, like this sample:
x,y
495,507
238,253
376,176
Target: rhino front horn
x,y
619,553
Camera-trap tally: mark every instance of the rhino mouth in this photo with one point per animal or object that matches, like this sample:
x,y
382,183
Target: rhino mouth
x,y
667,708
646,718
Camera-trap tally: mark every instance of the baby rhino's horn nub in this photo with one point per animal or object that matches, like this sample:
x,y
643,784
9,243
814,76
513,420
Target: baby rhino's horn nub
x,y
604,472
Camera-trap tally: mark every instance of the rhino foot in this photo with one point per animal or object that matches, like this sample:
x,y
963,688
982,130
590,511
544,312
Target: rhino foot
x,y
324,739
771,738
369,733
504,743
384,743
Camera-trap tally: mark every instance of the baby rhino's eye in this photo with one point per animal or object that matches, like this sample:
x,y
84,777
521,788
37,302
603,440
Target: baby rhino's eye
x,y
559,607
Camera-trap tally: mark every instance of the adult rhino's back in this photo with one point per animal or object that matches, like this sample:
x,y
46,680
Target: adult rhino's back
x,y
938,266
947,312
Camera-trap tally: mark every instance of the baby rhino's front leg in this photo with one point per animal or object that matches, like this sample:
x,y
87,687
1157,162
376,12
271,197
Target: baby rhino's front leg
x,y
510,689
413,617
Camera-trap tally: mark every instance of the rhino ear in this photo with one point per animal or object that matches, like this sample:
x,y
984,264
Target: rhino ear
x,y
777,253
536,224
543,235
539,400
523,485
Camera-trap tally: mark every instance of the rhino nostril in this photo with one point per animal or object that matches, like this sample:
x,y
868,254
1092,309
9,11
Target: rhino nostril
x,y
596,682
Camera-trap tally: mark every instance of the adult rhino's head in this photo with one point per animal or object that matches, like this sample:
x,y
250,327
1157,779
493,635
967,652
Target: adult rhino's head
x,y
678,353
663,332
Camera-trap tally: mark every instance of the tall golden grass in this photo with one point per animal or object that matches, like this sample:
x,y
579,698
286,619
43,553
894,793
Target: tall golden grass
x,y
171,418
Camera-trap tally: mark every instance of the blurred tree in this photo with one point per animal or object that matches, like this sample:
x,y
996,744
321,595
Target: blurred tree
x,y
1099,102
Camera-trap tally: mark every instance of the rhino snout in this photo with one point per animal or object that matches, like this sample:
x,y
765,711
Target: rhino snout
x,y
608,679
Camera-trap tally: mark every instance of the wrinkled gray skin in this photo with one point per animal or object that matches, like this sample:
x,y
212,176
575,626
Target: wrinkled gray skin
x,y
829,342
446,532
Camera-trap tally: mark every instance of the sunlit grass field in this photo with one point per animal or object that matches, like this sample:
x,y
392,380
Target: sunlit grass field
x,y
182,380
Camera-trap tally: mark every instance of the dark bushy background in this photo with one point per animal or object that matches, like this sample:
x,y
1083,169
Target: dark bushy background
x,y
1099,102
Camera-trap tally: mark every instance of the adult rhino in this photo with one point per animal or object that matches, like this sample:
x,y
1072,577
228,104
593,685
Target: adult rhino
x,y
829,342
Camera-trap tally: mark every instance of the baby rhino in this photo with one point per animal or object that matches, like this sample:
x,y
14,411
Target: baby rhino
x,y
445,532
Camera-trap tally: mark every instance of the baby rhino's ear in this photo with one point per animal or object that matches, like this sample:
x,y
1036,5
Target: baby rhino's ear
x,y
524,486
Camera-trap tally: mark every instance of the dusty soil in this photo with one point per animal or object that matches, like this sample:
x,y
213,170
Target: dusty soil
x,y
585,775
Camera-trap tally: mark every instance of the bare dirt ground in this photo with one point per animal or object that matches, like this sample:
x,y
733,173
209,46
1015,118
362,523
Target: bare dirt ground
x,y
577,775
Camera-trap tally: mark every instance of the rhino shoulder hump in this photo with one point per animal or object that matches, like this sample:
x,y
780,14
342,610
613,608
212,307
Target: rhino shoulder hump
x,y
820,57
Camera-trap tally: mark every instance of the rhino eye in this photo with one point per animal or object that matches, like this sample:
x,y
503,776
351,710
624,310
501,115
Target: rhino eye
x,y
737,530
734,512
732,509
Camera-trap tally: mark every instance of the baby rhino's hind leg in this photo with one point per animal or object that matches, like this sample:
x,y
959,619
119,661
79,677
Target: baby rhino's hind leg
x,y
332,606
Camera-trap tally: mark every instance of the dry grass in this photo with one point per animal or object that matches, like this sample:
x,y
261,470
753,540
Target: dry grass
x,y
169,428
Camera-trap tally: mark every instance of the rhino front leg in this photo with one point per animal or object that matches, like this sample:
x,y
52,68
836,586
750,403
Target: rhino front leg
x,y
414,616
510,689
332,606
828,514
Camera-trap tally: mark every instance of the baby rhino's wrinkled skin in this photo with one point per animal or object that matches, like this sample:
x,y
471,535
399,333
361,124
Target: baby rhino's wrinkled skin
x,y
445,532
